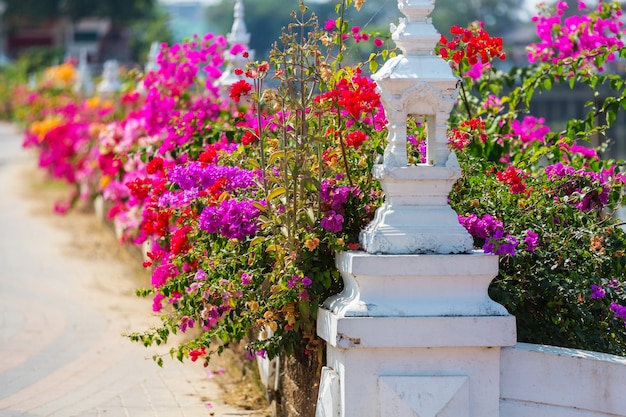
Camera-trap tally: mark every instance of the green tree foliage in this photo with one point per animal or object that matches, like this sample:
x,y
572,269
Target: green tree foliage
x,y
117,10
499,16
153,27
265,19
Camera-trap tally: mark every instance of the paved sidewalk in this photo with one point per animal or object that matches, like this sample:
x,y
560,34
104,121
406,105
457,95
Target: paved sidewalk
x,y
62,317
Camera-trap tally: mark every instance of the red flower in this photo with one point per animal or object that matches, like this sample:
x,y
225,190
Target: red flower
x,y
458,140
460,137
238,89
473,44
196,353
208,156
250,137
511,178
140,188
179,241
356,139
155,165
357,96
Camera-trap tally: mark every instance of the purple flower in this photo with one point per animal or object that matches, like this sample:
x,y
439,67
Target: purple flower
x,y
590,190
306,281
200,275
532,240
480,227
618,310
337,196
186,323
231,219
199,176
615,283
262,353
597,291
333,222
500,245
293,282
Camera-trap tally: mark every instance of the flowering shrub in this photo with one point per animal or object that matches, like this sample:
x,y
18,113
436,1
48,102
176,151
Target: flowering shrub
x,y
245,196
539,198
245,228
63,128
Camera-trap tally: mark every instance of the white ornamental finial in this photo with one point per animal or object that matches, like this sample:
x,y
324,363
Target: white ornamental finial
x,y
238,36
416,216
415,34
238,33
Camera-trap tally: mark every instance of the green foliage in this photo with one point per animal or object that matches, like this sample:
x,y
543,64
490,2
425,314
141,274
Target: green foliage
x,y
580,243
372,17
153,27
117,10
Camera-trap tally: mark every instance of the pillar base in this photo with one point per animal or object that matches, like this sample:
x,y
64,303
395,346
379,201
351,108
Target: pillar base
x,y
413,335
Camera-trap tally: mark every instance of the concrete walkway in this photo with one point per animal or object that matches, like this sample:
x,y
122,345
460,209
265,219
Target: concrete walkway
x,y
62,316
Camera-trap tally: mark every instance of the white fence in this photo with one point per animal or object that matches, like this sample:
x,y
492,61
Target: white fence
x,y
546,381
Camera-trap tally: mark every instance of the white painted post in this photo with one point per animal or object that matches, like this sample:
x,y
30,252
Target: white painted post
x,y
151,62
238,36
414,332
84,83
110,83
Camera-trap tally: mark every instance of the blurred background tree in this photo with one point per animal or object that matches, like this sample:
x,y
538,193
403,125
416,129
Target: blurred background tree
x,y
265,19
116,10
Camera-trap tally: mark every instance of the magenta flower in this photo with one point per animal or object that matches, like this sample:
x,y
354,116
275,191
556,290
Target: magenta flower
x,y
530,129
231,219
618,310
531,240
246,278
333,222
597,291
329,25
157,302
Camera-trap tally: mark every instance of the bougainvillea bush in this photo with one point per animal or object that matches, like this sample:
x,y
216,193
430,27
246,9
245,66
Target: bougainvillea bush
x,y
63,127
544,200
246,222
245,195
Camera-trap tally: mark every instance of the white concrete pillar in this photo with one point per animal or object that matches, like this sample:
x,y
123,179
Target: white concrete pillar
x,y
84,82
414,332
413,335
110,83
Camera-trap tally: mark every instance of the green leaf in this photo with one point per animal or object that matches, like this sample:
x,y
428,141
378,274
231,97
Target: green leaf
x,y
373,66
547,83
276,192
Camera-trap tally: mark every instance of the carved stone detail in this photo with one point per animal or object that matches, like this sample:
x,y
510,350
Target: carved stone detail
x,y
238,36
416,217
423,396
